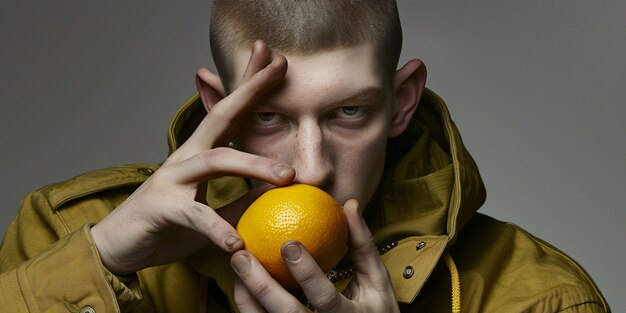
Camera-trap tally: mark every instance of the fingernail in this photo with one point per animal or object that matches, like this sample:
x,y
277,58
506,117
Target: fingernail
x,y
292,252
231,241
282,170
241,264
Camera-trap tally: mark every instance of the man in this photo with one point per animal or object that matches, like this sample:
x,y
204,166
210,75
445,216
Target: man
x,y
317,100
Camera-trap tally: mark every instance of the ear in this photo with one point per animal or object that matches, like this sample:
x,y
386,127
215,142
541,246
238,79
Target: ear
x,y
409,83
210,88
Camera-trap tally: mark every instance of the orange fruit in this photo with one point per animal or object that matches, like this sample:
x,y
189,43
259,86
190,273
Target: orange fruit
x,y
295,212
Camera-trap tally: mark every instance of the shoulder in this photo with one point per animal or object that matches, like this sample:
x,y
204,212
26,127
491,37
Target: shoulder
x,y
516,267
94,182
86,198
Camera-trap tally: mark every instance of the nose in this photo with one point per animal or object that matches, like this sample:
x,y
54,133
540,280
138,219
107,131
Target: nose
x,y
313,156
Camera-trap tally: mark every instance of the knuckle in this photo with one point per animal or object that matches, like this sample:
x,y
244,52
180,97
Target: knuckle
x,y
224,116
327,302
214,224
255,84
259,82
367,245
262,290
203,218
194,213
255,88
214,158
382,283
217,229
307,274
241,300
176,208
291,307
259,161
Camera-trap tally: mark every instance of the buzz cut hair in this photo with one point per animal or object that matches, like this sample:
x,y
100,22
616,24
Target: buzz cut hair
x,y
305,27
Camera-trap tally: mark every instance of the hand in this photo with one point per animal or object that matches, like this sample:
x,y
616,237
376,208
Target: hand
x,y
369,291
161,221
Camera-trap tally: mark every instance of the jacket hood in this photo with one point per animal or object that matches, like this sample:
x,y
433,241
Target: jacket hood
x,y
430,189
431,184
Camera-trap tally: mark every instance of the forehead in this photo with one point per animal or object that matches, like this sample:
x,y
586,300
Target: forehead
x,y
327,74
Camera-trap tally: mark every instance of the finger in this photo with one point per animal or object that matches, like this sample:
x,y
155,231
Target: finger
x,y
267,292
364,252
204,220
218,162
219,122
233,211
244,300
259,58
320,292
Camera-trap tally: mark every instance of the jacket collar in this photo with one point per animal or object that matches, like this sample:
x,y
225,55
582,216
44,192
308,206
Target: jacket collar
x,y
432,185
430,189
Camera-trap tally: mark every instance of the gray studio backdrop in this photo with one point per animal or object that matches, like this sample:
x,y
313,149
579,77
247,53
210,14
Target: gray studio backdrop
x,y
536,88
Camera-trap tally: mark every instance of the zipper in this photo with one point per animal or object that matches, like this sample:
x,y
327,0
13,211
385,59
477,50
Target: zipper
x,y
337,275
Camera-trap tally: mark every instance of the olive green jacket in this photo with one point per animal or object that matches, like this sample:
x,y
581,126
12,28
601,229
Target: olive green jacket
x,y
423,217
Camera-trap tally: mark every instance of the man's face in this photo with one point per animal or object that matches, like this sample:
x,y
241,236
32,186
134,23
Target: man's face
x,y
329,120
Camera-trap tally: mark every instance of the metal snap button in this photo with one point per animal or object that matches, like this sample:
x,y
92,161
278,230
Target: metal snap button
x,y
145,171
87,309
408,272
420,245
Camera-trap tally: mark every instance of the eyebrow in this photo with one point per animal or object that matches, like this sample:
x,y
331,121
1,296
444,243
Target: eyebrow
x,y
363,94
355,96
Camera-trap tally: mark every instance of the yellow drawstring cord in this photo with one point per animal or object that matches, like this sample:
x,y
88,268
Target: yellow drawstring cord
x,y
456,283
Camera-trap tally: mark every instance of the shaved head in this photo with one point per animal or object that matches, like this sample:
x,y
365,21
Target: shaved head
x,y
304,27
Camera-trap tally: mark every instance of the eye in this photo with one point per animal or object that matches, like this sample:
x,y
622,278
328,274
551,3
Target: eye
x,y
266,118
350,112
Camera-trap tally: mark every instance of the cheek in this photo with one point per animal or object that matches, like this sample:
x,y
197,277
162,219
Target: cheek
x,y
365,150
360,163
356,156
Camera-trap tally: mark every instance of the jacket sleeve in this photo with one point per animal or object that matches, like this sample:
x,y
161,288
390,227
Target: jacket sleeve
x,y
47,267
